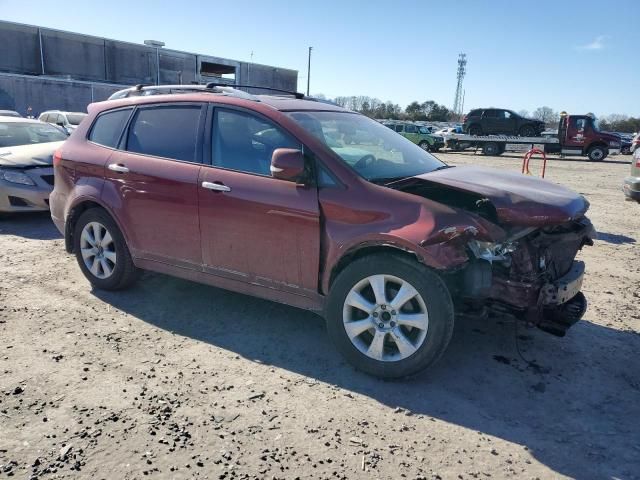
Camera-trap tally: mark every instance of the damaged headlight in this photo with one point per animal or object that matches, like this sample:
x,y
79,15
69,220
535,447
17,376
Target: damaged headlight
x,y
492,252
15,176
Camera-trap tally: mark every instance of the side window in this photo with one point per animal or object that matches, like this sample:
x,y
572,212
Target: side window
x,y
507,115
580,123
491,114
108,126
324,178
411,129
399,128
44,117
245,143
166,131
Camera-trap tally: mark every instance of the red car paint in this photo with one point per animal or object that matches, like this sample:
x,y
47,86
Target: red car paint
x,y
283,241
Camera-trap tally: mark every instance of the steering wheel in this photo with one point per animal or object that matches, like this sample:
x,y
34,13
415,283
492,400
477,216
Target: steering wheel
x,y
364,162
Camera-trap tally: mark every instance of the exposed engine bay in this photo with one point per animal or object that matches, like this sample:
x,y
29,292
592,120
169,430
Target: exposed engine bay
x,y
531,274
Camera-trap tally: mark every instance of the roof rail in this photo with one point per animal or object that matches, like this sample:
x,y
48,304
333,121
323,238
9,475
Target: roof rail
x,y
297,95
141,90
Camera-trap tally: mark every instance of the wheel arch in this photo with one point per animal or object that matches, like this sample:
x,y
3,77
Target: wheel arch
x,y
81,205
368,249
597,143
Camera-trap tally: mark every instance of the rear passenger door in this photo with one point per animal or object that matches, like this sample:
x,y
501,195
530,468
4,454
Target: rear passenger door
x,y
490,121
152,183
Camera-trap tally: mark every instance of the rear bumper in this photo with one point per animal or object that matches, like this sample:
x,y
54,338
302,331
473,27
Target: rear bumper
x,y
15,197
631,188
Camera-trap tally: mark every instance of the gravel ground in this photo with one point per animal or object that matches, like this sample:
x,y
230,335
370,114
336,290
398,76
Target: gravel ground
x,y
172,379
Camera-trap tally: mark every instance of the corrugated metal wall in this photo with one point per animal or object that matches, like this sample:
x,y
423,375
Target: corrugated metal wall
x,y
30,51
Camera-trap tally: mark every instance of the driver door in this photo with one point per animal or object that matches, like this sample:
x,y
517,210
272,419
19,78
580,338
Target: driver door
x,y
255,228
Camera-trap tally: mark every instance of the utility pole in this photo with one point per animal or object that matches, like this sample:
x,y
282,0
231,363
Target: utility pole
x,y
459,98
309,70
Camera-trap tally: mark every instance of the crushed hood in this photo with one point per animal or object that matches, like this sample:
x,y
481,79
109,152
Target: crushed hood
x,y
519,200
23,156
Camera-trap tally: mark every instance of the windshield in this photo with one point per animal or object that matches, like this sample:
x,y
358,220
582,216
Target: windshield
x,y
75,118
374,151
18,133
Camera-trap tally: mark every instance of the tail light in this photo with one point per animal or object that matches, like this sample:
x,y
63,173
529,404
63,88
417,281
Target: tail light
x,y
464,119
57,158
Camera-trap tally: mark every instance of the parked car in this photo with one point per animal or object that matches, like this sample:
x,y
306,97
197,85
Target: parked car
x,y
498,121
631,186
418,134
26,172
67,120
447,134
625,145
262,195
9,113
635,143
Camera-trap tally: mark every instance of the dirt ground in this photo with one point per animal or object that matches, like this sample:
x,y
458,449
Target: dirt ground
x,y
172,379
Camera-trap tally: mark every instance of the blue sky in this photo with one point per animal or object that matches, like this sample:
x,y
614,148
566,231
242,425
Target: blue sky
x,y
578,56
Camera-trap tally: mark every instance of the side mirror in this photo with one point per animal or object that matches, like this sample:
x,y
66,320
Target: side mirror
x,y
287,164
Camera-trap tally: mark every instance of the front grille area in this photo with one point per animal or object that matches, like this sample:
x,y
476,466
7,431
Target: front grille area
x,y
17,202
48,179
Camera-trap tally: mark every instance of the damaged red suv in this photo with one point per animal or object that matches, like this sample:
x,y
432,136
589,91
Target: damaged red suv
x,y
309,204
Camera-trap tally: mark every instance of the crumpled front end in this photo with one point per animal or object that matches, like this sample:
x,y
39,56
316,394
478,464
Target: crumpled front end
x,y
533,275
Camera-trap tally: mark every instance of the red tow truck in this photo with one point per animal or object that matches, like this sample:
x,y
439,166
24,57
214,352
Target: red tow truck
x,y
577,135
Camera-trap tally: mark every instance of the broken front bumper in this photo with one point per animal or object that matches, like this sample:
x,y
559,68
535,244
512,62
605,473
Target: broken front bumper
x,y
534,297
564,289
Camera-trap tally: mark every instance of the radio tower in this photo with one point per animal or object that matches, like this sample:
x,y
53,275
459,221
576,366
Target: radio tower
x,y
462,70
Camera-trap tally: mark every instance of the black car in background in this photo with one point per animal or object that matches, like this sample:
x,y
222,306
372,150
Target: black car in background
x,y
498,121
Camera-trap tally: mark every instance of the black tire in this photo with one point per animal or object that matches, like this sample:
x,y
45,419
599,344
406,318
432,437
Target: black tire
x,y
597,153
492,149
425,145
527,131
475,129
430,287
124,272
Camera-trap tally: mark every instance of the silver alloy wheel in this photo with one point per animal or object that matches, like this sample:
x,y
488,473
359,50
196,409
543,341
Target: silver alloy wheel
x,y
98,250
425,146
385,318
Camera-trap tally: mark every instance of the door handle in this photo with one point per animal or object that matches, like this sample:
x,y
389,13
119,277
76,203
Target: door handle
x,y
217,187
116,167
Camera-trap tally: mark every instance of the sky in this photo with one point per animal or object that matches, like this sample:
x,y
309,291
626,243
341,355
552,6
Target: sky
x,y
578,56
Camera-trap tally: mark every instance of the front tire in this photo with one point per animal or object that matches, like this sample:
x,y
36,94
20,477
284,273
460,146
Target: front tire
x,y
425,146
389,316
597,153
101,251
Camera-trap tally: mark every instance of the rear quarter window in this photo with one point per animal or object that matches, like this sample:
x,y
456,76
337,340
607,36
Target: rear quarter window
x,y
108,127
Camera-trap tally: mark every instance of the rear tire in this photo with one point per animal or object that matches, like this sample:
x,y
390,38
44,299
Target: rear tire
x,y
492,149
475,130
101,251
377,345
597,153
